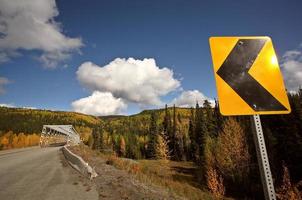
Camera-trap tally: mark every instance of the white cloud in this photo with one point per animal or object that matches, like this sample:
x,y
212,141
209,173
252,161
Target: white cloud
x,y
3,81
3,57
291,66
11,105
190,97
30,25
29,107
8,105
292,54
137,81
99,103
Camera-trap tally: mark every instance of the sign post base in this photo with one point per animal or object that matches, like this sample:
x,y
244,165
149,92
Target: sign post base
x,y
263,162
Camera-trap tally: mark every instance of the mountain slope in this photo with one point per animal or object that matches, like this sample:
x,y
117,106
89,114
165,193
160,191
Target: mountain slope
x,y
31,121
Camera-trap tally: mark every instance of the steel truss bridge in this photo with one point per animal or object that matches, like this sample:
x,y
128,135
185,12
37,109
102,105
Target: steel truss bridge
x,y
55,135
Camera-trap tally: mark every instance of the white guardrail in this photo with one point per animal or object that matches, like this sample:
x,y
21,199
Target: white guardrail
x,y
79,164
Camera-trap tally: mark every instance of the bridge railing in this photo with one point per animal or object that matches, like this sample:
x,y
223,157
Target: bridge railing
x,y
56,135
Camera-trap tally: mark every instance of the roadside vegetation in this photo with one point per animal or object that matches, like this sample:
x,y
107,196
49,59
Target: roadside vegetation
x,y
176,177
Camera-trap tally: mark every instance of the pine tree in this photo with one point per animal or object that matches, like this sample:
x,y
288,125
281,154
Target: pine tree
x,y
167,128
191,133
96,142
210,120
178,148
172,137
167,121
218,118
97,136
200,132
151,151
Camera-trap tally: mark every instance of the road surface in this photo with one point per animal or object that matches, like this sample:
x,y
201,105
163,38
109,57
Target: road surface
x,y
41,173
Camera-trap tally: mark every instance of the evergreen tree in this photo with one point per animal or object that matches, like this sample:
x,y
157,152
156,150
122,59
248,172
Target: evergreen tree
x,y
167,128
200,132
97,138
187,147
191,133
173,133
210,121
218,118
151,151
178,148
167,121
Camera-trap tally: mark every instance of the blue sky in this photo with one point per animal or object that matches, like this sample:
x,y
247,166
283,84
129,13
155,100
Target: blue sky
x,y
173,33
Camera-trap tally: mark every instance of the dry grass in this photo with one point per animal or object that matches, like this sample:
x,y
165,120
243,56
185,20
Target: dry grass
x,y
177,177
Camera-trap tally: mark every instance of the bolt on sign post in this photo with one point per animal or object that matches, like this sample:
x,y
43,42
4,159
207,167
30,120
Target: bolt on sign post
x,y
249,82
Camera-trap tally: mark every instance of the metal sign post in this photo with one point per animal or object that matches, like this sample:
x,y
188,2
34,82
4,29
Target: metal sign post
x,y
263,162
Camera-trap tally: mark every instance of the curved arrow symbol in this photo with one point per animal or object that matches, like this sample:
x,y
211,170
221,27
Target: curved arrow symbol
x,y
234,71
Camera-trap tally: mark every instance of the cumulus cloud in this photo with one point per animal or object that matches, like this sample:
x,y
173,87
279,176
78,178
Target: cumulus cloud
x,y
3,81
31,25
137,81
190,97
99,103
291,66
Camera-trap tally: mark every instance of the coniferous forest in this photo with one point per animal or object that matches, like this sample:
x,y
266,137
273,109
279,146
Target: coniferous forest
x,y
221,147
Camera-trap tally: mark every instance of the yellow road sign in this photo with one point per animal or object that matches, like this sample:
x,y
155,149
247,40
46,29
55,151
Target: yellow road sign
x,y
248,77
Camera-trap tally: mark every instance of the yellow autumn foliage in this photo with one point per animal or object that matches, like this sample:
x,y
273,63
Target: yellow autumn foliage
x,y
12,140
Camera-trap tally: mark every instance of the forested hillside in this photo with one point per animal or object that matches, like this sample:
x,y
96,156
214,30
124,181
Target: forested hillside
x,y
21,127
32,120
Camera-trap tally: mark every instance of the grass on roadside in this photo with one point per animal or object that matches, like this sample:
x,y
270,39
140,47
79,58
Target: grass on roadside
x,y
177,177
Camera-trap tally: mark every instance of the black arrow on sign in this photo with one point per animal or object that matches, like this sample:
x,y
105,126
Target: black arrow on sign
x,y
234,71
